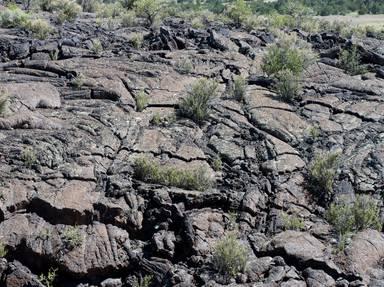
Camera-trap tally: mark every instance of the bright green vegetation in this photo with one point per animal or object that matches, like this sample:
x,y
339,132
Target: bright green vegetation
x,y
143,282
322,173
72,237
350,61
196,104
230,255
49,279
152,172
292,222
149,9
347,217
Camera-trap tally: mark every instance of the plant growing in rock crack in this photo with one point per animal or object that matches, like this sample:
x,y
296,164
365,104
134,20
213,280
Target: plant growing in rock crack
x,y
145,281
96,47
184,66
292,222
149,9
3,250
152,172
3,102
49,279
230,256
238,87
78,81
196,104
28,156
137,40
287,85
217,164
141,101
322,174
72,237
350,61
158,120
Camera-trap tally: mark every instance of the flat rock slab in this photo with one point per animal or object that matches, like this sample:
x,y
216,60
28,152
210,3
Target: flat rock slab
x,y
34,95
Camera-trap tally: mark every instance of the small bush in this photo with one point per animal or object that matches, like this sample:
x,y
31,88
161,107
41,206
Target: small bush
x,y
28,156
128,19
96,47
341,217
110,10
287,85
68,10
350,62
13,17
40,28
3,102
196,104
292,222
322,173
230,256
143,282
137,40
72,237
78,81
289,53
90,6
239,11
49,279
366,213
184,66
152,172
149,9
3,250
238,87
197,23
158,120
217,164
141,101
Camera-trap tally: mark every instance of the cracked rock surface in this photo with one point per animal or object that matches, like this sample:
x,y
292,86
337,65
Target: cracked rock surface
x,y
72,132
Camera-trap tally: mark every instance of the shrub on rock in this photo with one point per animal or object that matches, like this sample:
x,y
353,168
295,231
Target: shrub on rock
x,y
68,10
350,61
239,11
196,104
149,9
230,256
13,17
287,85
40,28
238,87
128,19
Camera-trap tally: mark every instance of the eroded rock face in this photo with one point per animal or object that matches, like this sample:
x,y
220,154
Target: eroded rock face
x,y
71,132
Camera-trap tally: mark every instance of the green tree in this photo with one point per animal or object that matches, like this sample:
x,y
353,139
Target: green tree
x,y
239,11
149,9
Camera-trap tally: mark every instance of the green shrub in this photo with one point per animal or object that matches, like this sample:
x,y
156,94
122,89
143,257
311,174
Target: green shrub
x,y
217,164
72,237
158,120
3,102
28,156
48,5
40,28
3,250
49,279
289,53
13,17
141,101
78,81
239,11
350,62
110,10
197,23
96,47
149,9
291,222
68,10
287,85
128,19
90,6
230,256
238,87
184,66
137,40
196,104
366,213
152,172
322,174
146,281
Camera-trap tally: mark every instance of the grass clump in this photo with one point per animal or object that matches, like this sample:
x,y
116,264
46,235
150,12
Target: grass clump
x,y
287,85
68,10
72,237
49,279
128,19
196,104
3,102
137,40
184,66
350,62
13,17
230,255
145,281
322,173
96,47
152,172
291,222
238,87
40,28
28,156
3,250
141,101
